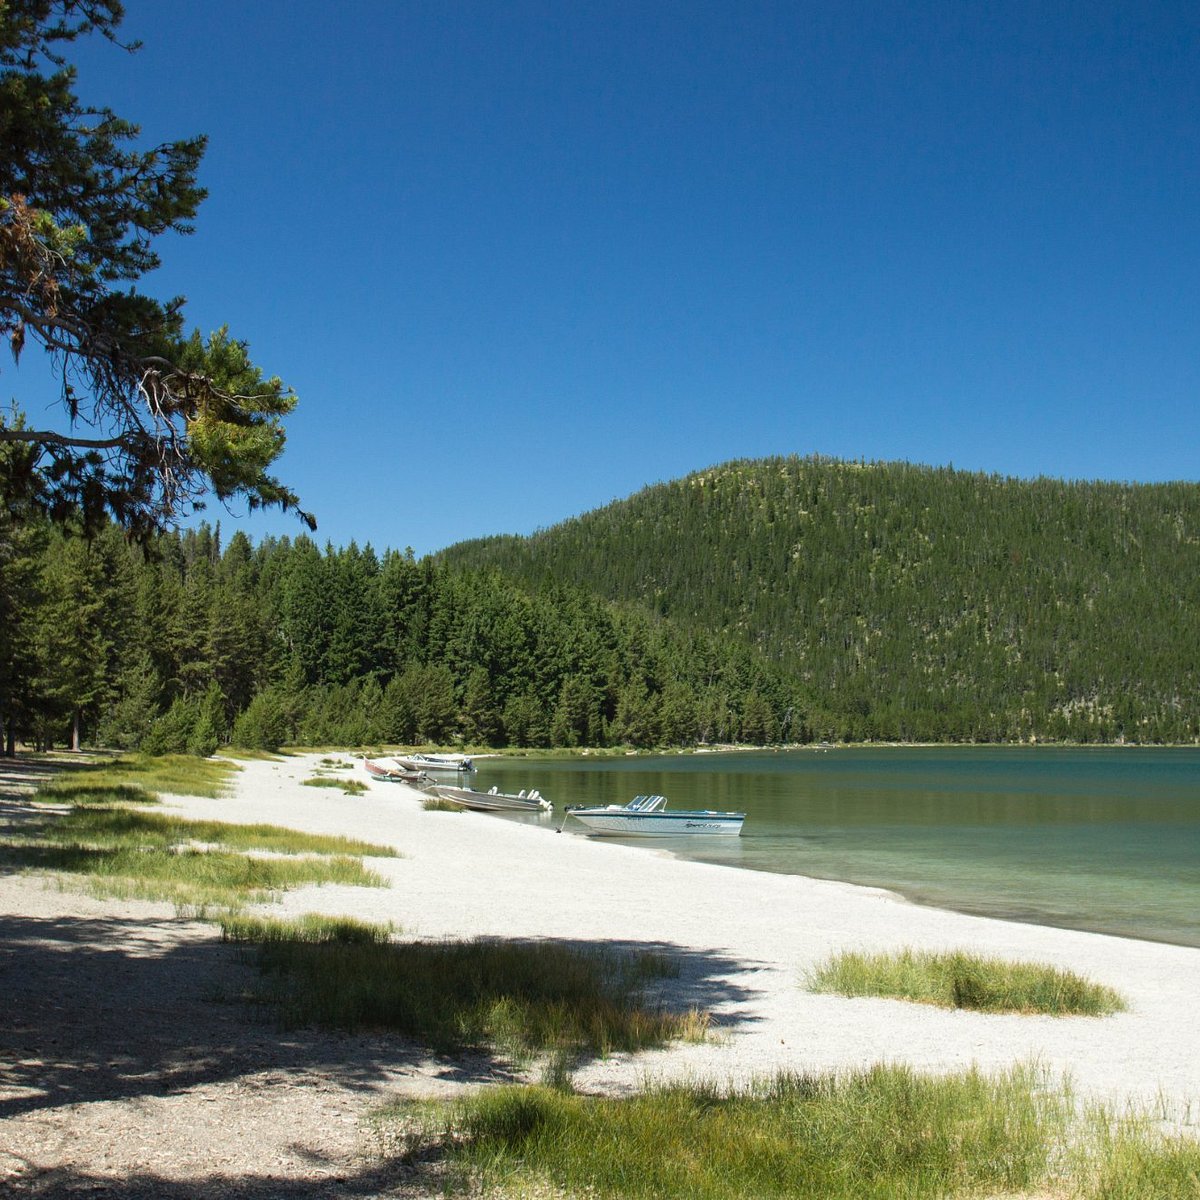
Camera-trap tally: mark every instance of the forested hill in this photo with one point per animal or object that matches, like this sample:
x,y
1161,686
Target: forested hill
x,y
914,602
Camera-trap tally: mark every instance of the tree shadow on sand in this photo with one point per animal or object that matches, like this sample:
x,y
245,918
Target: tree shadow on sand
x,y
108,1009
103,1008
382,1179
20,777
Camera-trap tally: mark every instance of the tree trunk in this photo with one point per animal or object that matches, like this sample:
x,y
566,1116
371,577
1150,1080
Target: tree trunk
x,y
75,721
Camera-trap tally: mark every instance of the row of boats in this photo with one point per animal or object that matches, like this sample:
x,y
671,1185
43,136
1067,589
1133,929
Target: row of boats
x,y
643,816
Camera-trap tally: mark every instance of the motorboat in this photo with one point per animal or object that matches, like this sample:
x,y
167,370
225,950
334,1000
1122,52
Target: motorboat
x,y
648,816
493,800
436,762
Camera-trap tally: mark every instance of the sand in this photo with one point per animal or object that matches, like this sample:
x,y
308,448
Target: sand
x,y
122,1023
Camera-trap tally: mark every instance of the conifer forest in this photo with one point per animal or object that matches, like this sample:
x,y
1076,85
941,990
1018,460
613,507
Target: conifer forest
x,y
775,601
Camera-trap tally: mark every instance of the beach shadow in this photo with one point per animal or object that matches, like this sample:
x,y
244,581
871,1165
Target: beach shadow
x,y
699,979
108,1008
103,1009
383,1179
20,777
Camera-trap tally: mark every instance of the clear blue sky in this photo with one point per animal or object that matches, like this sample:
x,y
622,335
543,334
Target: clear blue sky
x,y
519,259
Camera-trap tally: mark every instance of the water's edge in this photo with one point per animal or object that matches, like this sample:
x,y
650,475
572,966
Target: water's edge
x,y
1101,840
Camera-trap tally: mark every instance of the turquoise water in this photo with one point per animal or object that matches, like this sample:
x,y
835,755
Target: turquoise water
x,y
1101,839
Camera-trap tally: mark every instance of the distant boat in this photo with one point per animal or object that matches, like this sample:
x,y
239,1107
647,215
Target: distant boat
x,y
493,800
436,762
393,773
647,816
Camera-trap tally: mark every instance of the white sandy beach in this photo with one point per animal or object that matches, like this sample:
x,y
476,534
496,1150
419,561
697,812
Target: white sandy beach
x,y
745,940
124,1065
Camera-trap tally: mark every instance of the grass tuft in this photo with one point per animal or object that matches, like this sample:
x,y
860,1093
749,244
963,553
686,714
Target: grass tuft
x,y
961,980
1136,1164
132,828
122,852
195,880
521,999
437,804
884,1132
352,787
88,794
309,929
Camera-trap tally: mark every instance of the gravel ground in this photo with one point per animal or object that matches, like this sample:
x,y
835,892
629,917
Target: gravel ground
x,y
130,1066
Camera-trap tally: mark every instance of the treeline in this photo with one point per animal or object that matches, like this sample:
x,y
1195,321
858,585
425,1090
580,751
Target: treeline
x,y
190,644
787,600
913,603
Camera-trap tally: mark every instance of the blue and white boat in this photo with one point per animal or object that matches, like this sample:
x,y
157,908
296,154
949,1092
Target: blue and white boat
x,y
647,816
436,762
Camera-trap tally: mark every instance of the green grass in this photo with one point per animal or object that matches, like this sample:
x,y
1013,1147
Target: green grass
x,y
121,851
882,1133
1135,1164
352,787
309,928
197,881
960,980
179,774
87,794
132,828
437,804
522,999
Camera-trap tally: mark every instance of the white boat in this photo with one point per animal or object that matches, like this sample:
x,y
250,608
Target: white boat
x,y
647,816
494,800
436,762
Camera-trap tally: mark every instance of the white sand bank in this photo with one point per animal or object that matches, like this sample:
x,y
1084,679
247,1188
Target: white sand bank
x,y
745,939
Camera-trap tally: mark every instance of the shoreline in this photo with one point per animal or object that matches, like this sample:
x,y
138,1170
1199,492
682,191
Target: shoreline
x,y
800,747
745,939
1164,917
900,897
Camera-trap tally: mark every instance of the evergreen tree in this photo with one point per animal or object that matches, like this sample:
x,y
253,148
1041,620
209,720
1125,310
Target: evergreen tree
x,y
481,721
165,417
525,721
73,649
22,546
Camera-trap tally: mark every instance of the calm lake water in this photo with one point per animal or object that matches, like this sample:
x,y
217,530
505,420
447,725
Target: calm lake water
x,y
1101,839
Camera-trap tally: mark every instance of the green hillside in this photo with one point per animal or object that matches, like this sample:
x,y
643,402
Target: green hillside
x,y
909,602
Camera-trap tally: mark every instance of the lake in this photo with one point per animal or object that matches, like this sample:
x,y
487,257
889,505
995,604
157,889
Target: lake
x,y
1102,839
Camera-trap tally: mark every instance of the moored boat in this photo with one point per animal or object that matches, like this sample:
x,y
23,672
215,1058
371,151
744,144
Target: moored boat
x,y
647,816
493,800
436,762
392,772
